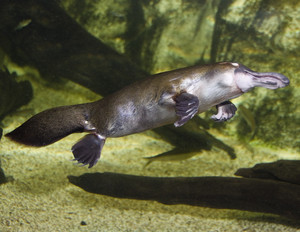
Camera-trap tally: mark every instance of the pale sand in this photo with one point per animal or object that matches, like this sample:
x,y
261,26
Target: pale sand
x,y
41,198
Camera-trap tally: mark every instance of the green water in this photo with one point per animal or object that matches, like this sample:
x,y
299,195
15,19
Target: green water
x,y
80,51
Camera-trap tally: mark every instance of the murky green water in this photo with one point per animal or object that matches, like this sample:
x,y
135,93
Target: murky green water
x,y
80,51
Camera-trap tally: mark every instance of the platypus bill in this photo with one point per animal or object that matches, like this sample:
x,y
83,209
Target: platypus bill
x,y
165,98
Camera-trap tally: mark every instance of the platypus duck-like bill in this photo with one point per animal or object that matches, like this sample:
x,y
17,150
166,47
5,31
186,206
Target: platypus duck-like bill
x,y
165,98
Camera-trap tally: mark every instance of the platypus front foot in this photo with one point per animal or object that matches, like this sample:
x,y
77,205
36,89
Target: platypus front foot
x,y
226,110
186,107
88,149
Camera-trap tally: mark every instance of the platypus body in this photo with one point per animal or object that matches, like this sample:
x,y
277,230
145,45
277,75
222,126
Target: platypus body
x,y
165,98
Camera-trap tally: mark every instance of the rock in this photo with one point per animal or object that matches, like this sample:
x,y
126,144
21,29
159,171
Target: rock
x,y
83,223
157,35
251,29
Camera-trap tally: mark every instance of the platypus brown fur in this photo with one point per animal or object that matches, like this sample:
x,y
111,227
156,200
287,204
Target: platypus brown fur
x,y
165,98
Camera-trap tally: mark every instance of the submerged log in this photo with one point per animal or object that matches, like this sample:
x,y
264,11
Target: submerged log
x,y
41,34
283,170
256,195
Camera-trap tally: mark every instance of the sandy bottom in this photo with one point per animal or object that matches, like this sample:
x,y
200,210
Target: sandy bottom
x,y
40,198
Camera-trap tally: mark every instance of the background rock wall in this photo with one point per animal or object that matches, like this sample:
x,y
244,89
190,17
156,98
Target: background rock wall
x,y
157,35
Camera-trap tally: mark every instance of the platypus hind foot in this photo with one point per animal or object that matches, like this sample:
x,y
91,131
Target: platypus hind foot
x,y
88,149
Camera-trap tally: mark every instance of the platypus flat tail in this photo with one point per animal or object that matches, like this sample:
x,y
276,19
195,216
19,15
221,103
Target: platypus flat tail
x,y
52,125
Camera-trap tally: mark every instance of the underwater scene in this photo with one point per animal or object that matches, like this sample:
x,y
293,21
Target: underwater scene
x,y
150,115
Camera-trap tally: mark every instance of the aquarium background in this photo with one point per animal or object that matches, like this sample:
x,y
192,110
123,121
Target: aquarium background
x,y
70,52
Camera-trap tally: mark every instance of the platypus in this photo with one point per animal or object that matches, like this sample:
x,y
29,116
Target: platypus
x,y
161,99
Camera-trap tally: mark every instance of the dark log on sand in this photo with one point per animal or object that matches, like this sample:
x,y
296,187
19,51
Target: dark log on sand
x,y
282,170
257,195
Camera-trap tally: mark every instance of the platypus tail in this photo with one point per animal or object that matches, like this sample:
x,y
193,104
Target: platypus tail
x,y
52,125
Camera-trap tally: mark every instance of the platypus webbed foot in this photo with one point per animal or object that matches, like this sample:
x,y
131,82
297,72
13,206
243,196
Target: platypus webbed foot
x,y
88,149
226,110
186,107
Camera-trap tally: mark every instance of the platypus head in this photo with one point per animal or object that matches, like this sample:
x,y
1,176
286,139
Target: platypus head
x,y
246,79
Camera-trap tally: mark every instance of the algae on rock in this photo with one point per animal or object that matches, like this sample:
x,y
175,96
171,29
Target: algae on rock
x,y
157,35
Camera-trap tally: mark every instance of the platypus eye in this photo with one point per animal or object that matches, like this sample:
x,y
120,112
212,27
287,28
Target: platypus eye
x,y
235,64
